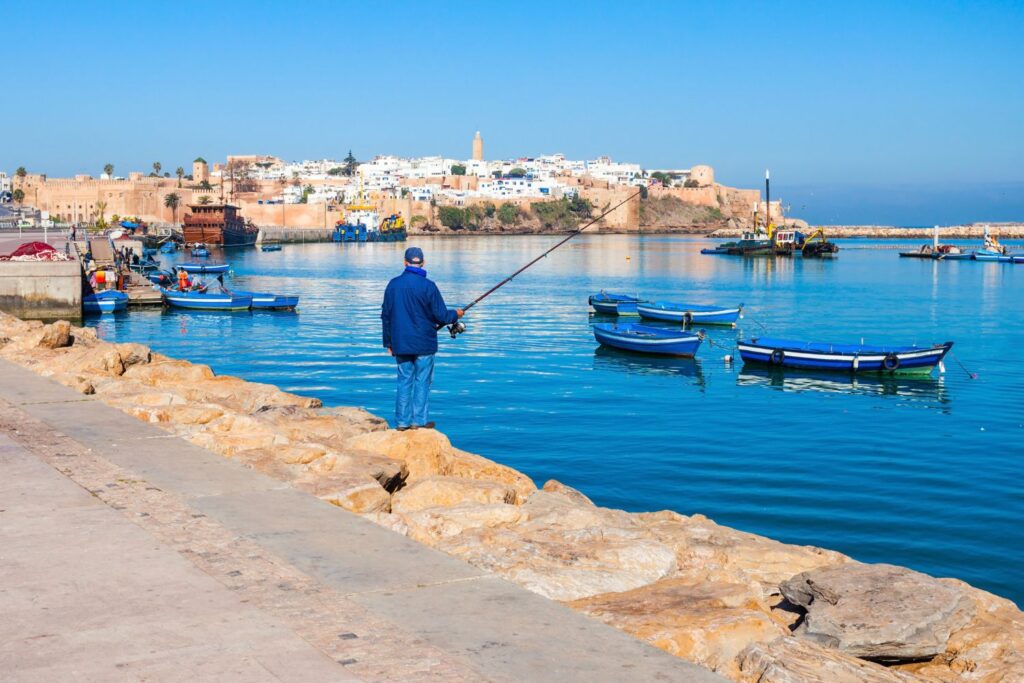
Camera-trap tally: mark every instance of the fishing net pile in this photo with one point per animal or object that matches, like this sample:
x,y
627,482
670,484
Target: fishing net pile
x,y
35,251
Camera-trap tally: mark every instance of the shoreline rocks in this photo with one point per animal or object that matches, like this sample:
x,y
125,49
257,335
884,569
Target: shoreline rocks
x,y
754,609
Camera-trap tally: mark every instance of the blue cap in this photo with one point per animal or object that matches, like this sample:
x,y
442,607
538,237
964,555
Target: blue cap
x,y
414,255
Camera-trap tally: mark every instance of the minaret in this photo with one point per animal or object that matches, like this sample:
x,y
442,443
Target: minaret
x,y
478,147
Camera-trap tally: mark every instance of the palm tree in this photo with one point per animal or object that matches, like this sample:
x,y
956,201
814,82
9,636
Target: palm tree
x,y
179,172
21,172
109,170
101,209
156,168
18,196
172,201
204,200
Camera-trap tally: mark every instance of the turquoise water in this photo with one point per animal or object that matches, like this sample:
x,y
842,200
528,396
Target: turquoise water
x,y
918,472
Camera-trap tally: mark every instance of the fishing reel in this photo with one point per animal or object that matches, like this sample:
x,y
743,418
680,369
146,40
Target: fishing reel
x,y
456,328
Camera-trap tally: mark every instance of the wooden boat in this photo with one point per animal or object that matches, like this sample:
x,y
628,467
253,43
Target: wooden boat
x,y
206,301
109,301
689,313
646,339
270,247
614,304
204,268
789,353
219,224
270,301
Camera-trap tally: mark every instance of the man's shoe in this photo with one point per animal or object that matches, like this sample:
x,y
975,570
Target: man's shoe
x,y
429,425
403,429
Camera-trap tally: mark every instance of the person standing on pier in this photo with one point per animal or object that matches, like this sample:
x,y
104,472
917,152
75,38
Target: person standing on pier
x,y
412,313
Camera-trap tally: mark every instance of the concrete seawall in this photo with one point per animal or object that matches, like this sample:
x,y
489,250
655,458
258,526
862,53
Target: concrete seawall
x,y
277,233
43,290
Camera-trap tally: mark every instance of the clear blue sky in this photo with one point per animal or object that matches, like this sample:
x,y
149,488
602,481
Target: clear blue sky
x,y
869,111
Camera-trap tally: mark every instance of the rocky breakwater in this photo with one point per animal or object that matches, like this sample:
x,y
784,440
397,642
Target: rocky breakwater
x,y
746,606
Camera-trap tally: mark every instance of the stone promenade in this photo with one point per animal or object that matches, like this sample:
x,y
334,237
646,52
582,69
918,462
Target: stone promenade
x,y
130,554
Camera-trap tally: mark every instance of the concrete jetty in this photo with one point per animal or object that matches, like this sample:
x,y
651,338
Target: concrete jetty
x,y
130,553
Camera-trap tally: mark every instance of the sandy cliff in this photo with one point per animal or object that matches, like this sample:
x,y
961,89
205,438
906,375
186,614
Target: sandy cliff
x,y
749,607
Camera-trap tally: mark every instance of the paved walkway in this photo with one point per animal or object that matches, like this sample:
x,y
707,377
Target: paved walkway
x,y
129,554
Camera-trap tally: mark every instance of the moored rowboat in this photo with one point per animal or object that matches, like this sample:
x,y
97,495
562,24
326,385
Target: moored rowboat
x,y
788,353
647,339
614,304
203,301
205,268
109,301
689,313
270,301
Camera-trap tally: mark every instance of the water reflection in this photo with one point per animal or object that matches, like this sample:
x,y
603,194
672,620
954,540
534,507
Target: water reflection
x,y
613,359
917,388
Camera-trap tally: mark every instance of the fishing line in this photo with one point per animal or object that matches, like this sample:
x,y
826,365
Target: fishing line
x,y
460,327
972,375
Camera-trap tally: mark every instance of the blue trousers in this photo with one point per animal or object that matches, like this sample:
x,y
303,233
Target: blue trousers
x,y
415,373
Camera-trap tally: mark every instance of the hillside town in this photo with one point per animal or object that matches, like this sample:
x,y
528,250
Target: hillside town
x,y
316,193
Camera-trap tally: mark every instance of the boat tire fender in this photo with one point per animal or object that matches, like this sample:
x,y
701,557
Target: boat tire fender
x,y
891,362
777,357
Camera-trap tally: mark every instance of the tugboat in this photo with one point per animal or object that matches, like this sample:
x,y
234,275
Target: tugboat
x,y
218,224
757,242
363,224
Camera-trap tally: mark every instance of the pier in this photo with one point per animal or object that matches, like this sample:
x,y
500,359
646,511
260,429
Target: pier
x,y
132,553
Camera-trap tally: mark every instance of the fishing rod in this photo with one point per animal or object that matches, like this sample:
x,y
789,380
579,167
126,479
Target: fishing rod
x,y
459,327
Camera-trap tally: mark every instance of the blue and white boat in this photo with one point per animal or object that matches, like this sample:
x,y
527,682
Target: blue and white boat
x,y
200,251
271,301
109,301
646,339
205,268
788,353
168,248
614,304
206,301
988,255
270,247
689,314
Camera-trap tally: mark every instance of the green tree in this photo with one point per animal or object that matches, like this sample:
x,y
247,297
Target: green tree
x,y
336,171
458,169
109,170
18,196
452,217
156,168
495,174
508,213
350,164
172,201
691,183
306,191
101,210
204,200
663,178
205,185
490,209
21,172
517,172
180,172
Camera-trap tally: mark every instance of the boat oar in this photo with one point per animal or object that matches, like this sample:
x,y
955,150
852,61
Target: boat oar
x,y
459,327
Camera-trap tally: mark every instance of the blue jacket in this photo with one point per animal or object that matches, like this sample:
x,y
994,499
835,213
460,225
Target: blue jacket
x,y
412,311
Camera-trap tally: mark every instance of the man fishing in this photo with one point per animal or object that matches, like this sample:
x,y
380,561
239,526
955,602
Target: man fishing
x,y
412,313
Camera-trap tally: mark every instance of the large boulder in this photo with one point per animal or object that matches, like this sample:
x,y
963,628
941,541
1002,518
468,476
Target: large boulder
x,y
56,335
450,491
705,623
353,492
792,660
430,525
707,551
878,611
